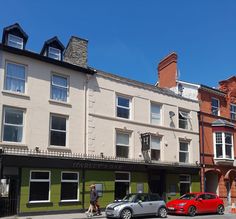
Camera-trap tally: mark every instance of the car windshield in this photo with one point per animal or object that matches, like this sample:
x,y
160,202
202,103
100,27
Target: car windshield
x,y
129,198
188,197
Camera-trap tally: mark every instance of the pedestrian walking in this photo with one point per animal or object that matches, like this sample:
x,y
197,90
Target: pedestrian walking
x,y
93,199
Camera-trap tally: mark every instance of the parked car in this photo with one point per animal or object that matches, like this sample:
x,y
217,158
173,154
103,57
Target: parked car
x,y
137,204
196,203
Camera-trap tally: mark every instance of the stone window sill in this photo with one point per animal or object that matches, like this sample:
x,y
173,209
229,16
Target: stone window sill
x,y
15,94
60,103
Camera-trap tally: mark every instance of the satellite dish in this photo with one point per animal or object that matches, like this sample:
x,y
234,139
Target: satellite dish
x,y
171,113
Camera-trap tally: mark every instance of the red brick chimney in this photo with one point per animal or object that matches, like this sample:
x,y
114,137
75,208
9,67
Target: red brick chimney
x,y
167,71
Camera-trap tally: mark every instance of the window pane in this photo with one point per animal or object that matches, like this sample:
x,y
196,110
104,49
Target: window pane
x,y
58,138
219,151
183,121
228,138
184,178
155,154
183,146
123,102
183,157
69,191
16,71
15,85
122,151
155,114
40,175
58,123
155,143
122,139
13,116
218,137
59,93
122,176
228,151
15,41
123,113
39,191
13,133
60,81
215,102
69,176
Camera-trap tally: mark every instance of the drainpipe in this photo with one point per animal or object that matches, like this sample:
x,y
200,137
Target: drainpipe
x,y
86,112
202,151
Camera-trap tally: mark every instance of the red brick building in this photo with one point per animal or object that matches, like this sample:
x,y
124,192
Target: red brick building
x,y
217,127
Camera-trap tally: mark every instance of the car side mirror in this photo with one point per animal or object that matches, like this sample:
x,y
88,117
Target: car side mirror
x,y
199,199
139,201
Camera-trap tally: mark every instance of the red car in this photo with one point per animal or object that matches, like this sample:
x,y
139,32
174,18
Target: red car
x,y
196,203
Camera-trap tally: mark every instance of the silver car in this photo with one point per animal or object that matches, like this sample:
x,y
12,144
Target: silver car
x,y
138,204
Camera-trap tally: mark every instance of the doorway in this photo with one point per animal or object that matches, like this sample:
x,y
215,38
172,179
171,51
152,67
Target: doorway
x,y
211,182
122,184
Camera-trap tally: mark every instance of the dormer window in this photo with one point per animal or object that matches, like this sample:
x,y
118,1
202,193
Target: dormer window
x,y
14,36
15,41
53,48
54,53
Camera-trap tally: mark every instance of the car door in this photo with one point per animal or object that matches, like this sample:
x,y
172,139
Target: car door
x,y
200,203
141,205
155,202
212,202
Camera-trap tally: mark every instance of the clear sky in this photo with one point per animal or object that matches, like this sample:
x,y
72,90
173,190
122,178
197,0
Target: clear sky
x,y
130,37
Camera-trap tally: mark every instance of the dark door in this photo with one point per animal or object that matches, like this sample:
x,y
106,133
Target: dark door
x,y
155,186
8,205
121,190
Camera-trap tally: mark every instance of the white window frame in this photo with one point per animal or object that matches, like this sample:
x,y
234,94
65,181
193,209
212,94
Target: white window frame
x,y
23,124
186,152
128,108
56,130
11,39
189,182
151,113
185,115
59,86
41,180
123,145
71,181
6,76
213,108
52,54
223,134
233,113
152,136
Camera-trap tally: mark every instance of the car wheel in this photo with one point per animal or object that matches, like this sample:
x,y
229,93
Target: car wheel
x,y
220,209
126,214
162,212
192,211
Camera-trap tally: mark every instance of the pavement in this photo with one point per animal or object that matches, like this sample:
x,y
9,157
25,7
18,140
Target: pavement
x,y
227,215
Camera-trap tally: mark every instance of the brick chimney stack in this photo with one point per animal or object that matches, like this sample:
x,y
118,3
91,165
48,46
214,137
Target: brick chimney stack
x,y
167,71
76,52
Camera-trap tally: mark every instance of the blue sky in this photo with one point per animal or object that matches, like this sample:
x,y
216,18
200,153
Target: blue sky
x,y
130,37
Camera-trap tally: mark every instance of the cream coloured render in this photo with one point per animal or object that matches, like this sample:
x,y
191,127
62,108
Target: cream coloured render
x,y
38,106
103,123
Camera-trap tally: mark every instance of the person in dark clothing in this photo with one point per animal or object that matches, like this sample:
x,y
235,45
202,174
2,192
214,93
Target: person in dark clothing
x,y
93,199
97,206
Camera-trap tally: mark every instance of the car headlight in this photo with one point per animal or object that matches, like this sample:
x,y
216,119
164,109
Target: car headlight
x,y
182,204
117,208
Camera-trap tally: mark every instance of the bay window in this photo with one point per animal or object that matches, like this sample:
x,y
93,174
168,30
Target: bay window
x,y
223,145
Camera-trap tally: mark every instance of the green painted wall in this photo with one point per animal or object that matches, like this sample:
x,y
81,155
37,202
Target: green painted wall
x,y
173,180
106,178
55,189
